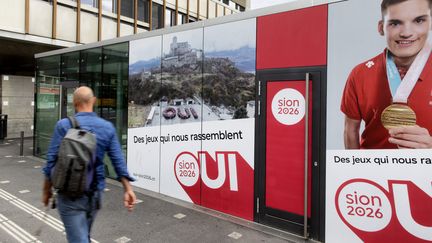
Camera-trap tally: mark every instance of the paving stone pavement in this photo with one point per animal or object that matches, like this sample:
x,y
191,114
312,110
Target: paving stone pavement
x,y
156,218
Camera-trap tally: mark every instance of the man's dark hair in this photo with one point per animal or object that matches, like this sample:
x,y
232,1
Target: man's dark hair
x,y
386,3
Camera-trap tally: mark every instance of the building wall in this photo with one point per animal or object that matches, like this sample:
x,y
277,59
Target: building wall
x,y
39,22
12,15
17,94
59,20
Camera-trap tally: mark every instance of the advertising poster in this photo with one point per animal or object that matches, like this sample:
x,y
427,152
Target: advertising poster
x,y
374,196
143,154
180,107
191,116
229,110
378,180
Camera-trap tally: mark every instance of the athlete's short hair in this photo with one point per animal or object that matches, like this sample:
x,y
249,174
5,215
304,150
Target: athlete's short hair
x,y
387,3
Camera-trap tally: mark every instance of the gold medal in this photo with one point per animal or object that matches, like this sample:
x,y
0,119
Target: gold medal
x,y
398,115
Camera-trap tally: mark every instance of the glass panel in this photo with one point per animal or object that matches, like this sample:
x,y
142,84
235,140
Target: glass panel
x,y
70,109
107,5
168,17
47,110
181,18
70,63
192,19
127,8
91,69
143,10
93,3
112,92
157,20
70,66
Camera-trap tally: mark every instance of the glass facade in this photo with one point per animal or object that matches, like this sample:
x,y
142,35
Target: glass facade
x,y
183,104
166,83
104,69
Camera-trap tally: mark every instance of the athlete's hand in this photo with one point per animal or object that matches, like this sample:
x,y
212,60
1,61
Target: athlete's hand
x,y
129,200
411,137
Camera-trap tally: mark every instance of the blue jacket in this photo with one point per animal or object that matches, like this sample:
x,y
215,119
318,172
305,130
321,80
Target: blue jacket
x,y
107,141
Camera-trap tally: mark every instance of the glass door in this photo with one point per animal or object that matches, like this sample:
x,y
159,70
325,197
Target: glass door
x,y
67,107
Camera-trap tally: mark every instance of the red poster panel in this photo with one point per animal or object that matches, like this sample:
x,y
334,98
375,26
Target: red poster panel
x,y
285,146
292,39
234,194
224,182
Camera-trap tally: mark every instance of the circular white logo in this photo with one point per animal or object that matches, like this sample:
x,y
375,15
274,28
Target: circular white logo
x,y
288,106
364,206
186,169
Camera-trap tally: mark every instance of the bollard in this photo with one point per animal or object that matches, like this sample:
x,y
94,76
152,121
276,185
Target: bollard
x,y
22,144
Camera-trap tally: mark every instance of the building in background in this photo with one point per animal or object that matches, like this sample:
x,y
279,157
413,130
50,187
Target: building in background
x,y
254,4
28,27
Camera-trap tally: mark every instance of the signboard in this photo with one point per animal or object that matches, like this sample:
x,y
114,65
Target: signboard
x,y
379,196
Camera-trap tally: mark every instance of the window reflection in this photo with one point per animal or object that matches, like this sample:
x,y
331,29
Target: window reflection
x,y
104,69
157,20
109,5
127,8
93,3
47,105
143,10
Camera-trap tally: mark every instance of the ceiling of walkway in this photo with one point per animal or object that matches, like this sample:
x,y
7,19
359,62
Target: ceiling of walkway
x,y
17,57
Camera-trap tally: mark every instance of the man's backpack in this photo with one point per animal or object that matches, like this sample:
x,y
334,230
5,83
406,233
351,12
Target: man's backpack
x,y
74,170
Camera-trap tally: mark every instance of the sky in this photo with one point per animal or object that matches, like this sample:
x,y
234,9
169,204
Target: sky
x,y
265,3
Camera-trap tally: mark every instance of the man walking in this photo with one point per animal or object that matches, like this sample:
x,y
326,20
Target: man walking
x,y
79,213
393,90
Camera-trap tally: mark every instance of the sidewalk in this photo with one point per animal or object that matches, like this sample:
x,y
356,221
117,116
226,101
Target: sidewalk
x,y
156,218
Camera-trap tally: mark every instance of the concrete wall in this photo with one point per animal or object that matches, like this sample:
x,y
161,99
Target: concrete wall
x,y
40,18
66,24
17,101
12,15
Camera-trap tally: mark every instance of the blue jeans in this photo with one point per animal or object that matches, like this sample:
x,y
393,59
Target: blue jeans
x,y
78,215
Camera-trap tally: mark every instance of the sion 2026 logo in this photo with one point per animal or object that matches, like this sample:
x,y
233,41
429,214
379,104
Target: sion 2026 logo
x,y
205,177
401,214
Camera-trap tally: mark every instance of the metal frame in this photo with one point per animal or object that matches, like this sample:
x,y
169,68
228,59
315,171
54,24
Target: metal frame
x,y
54,20
306,154
78,22
63,99
27,17
314,226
